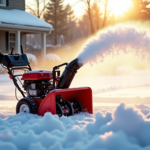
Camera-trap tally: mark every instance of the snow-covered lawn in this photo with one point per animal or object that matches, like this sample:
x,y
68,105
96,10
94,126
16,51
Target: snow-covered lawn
x,y
113,126
102,86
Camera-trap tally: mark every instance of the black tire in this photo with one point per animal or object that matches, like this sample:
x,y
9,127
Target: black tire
x,y
71,110
59,111
76,106
29,104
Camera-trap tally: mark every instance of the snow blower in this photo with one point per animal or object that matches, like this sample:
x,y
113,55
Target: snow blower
x,y
46,91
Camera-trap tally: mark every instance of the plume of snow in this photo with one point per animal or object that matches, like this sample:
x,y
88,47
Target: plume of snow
x,y
115,41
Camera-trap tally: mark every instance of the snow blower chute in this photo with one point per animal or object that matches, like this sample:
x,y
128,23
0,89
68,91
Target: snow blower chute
x,y
47,91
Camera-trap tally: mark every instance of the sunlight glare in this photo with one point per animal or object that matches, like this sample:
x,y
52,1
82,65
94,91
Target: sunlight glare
x,y
119,6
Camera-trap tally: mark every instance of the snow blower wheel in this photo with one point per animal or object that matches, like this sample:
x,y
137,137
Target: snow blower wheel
x,y
64,108
67,108
59,111
27,105
76,106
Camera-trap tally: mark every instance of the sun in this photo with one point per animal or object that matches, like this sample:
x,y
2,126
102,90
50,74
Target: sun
x,y
118,7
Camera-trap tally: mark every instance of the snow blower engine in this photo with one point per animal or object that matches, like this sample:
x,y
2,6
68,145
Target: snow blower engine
x,y
47,91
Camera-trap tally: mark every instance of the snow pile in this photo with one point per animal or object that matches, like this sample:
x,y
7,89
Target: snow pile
x,y
22,18
32,57
6,112
128,70
37,47
126,129
114,88
115,41
124,70
52,57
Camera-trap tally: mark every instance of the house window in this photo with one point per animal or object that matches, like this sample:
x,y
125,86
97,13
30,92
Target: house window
x,y
2,2
12,40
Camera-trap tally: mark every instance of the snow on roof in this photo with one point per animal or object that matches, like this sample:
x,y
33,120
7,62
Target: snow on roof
x,y
22,18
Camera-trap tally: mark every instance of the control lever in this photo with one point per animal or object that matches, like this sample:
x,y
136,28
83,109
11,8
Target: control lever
x,y
12,51
21,49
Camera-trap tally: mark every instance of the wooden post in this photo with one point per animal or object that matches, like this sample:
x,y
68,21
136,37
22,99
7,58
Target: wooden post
x,y
18,42
43,44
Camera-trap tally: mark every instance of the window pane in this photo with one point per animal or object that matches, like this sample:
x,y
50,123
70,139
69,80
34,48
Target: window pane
x,y
3,2
12,37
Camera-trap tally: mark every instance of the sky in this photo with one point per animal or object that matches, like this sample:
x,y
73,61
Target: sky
x,y
117,7
78,8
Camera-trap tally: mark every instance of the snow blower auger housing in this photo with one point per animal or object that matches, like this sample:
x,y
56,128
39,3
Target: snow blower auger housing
x,y
46,91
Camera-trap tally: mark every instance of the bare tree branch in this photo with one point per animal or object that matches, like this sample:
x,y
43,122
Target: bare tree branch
x,y
37,11
44,9
32,10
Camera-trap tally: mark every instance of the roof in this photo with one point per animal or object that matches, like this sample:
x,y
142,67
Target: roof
x,y
21,18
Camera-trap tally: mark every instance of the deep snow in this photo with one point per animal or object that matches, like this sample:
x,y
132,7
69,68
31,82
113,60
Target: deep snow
x,y
121,128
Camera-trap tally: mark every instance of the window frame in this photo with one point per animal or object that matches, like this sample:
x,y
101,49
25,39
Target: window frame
x,y
12,41
3,3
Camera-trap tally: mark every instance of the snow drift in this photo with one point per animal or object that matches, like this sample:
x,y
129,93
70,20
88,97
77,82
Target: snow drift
x,y
115,41
52,57
125,128
32,58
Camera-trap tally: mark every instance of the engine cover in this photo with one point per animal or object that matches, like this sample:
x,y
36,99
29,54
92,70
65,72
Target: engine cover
x,y
37,75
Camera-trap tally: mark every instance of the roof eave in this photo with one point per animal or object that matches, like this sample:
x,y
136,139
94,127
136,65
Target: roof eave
x,y
29,28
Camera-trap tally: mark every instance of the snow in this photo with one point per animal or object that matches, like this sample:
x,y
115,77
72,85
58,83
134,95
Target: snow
x,y
38,71
52,57
115,41
128,70
19,17
124,127
102,86
112,126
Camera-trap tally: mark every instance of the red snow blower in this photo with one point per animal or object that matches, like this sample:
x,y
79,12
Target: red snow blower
x,y
47,91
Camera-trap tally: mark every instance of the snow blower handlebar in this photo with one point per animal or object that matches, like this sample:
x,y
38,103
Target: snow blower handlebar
x,y
55,70
13,62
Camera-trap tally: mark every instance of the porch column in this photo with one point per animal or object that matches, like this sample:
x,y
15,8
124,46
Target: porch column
x,y
43,44
18,42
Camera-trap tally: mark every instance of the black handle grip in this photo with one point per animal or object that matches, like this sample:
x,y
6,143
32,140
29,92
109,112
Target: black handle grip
x,y
21,49
12,51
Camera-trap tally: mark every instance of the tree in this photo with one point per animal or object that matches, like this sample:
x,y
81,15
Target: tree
x,y
58,16
106,11
145,10
88,4
97,14
139,10
38,9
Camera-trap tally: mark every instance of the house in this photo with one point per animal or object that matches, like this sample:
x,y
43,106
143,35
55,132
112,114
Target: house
x,y
15,23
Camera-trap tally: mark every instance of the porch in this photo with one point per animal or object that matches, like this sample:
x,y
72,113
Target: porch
x,y
13,31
